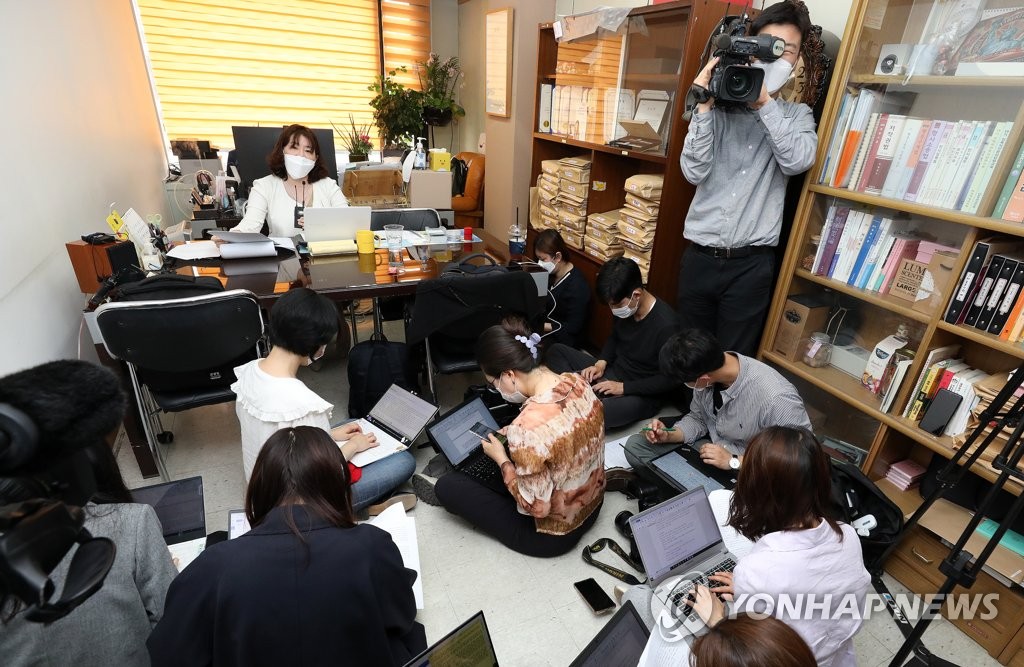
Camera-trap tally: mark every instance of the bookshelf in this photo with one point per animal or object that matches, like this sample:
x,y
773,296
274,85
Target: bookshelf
x,y
661,57
953,208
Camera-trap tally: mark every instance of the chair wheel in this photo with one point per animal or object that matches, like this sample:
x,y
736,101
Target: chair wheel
x,y
165,437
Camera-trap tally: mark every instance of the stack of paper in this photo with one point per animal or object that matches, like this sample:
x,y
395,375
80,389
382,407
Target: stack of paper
x,y
402,529
905,475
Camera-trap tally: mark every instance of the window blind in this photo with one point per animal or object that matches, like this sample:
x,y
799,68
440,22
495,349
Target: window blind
x,y
405,23
274,62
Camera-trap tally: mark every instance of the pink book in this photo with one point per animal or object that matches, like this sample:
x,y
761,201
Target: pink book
x,y
895,254
927,249
908,469
936,134
909,250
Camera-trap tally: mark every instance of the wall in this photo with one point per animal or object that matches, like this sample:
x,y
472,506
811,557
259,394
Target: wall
x,y
82,132
471,54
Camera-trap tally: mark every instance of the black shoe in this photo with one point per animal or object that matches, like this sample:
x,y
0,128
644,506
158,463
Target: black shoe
x,y
618,479
423,487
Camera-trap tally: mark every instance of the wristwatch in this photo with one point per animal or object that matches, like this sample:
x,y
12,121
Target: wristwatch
x,y
734,462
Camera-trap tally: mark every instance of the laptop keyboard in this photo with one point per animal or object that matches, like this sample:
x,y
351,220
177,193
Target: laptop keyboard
x,y
679,595
483,467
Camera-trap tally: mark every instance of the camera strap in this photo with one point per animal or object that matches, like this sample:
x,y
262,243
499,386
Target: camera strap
x,y
588,557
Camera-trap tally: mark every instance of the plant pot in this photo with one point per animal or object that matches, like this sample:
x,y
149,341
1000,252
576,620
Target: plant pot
x,y
437,117
358,157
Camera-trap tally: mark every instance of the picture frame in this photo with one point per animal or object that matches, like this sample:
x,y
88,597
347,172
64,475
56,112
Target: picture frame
x,y
498,62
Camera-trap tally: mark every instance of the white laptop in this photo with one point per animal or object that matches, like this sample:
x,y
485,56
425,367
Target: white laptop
x,y
397,420
334,224
680,545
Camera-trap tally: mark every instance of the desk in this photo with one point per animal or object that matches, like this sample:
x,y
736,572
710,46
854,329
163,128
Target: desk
x,y
339,278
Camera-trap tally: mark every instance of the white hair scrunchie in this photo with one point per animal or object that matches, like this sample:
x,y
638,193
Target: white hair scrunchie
x,y
530,343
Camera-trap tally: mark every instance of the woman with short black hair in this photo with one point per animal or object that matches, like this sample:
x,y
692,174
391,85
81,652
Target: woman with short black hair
x,y
305,585
569,293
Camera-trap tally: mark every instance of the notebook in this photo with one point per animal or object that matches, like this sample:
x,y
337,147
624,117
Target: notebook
x,y
334,224
468,645
397,419
179,506
620,642
458,434
681,544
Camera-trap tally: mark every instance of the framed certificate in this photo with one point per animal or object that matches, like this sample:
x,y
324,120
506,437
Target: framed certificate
x,y
498,53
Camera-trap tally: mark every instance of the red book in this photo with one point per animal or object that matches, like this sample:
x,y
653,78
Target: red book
x,y
879,171
872,154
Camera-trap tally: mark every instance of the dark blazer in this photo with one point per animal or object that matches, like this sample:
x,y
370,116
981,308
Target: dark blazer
x,y
571,301
264,599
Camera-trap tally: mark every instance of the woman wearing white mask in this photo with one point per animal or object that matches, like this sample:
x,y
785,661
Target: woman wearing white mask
x,y
298,178
569,293
549,483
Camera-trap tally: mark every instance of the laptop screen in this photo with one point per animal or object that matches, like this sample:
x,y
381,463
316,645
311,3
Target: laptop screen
x,y
452,432
179,506
620,642
468,645
673,532
402,412
238,524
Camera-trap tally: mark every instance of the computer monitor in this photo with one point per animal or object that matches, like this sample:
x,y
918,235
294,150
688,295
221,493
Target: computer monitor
x,y
253,144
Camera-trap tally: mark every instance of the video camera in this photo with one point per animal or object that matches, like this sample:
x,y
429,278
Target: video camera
x,y
734,80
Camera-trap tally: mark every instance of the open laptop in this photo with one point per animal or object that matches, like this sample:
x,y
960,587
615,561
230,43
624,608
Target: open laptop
x,y
680,545
334,224
620,642
182,512
458,436
683,469
397,419
468,645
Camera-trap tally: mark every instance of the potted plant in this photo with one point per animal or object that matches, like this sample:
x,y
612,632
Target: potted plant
x,y
439,80
397,111
356,140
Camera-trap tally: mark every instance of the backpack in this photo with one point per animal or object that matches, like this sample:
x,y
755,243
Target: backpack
x,y
166,286
466,267
854,496
373,366
460,171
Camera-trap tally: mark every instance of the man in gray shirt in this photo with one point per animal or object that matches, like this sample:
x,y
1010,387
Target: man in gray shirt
x,y
740,158
735,397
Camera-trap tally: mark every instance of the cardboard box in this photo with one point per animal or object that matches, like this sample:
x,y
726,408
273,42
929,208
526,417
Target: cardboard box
x,y
430,189
440,160
803,315
647,186
373,183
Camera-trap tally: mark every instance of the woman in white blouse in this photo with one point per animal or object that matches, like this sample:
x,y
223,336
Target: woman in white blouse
x,y
298,178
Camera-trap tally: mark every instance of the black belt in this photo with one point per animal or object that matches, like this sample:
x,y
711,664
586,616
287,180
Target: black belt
x,y
588,556
731,253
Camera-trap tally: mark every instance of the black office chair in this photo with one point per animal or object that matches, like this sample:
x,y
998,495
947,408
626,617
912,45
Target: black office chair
x,y
413,219
181,353
451,312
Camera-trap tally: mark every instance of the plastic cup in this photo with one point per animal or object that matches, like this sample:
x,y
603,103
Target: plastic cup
x,y
393,234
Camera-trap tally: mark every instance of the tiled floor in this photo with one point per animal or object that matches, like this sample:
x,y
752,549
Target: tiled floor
x,y
535,615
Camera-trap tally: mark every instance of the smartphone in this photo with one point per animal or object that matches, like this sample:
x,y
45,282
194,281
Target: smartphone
x,y
595,596
483,430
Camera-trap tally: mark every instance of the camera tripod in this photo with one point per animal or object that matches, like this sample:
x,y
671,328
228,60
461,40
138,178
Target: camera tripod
x,y
961,567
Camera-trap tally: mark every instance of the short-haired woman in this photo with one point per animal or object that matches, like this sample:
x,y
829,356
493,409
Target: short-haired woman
x,y
552,476
306,585
569,292
272,397
298,178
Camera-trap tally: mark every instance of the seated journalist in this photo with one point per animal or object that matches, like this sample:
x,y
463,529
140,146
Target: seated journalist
x,y
569,293
625,375
735,397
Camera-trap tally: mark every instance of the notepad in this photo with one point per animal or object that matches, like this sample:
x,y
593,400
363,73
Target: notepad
x,y
343,247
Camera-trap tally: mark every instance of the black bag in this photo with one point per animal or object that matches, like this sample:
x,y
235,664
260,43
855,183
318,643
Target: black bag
x,y
166,286
467,268
373,366
460,170
854,496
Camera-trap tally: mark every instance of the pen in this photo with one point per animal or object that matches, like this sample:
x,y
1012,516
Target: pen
x,y
663,428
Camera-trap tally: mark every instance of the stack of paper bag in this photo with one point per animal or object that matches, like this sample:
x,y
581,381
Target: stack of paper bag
x,y
571,202
602,236
647,186
638,219
547,185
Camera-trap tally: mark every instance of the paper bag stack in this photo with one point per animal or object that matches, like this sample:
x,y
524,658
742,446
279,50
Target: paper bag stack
x,y
638,220
602,237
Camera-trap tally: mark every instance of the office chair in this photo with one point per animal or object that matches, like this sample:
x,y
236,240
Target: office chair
x,y
469,206
413,219
451,312
181,353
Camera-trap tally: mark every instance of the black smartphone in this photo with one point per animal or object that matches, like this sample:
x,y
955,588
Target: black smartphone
x,y
595,596
483,430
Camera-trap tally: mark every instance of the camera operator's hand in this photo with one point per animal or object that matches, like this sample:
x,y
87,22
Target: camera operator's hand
x,y
762,99
704,81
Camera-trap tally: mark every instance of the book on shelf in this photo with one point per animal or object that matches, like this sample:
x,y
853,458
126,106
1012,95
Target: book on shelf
x,y
937,132
986,167
907,153
895,373
1006,334
871,259
835,223
878,168
963,383
845,152
839,132
1012,182
995,267
886,124
936,355
1008,301
930,385
999,284
871,223
1014,211
862,149
953,189
974,272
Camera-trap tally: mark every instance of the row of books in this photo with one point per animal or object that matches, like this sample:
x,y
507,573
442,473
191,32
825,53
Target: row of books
x,y
943,370
988,294
866,249
947,164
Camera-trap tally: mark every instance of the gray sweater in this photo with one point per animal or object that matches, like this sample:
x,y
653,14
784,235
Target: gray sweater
x,y
111,627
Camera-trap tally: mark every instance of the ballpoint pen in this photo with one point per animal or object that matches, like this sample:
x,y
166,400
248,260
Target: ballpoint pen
x,y
663,428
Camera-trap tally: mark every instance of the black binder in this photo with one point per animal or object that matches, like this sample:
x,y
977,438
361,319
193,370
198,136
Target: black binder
x,y
995,296
1010,297
984,290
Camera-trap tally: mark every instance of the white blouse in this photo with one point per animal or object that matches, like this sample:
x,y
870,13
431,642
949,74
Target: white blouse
x,y
265,404
270,201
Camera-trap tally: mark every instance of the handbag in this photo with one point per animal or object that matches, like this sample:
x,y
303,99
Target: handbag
x,y
467,268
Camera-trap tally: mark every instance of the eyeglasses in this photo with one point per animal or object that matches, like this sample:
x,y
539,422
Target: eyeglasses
x,y
695,383
492,385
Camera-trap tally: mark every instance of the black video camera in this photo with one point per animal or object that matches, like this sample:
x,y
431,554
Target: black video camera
x,y
734,80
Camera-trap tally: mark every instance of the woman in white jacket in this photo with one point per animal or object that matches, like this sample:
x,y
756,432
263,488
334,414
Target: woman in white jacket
x,y
298,178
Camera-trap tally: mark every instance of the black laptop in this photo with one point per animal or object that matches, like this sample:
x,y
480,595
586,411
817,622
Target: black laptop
x,y
683,469
179,506
468,645
458,433
620,642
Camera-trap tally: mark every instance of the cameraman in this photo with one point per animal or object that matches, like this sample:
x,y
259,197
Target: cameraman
x,y
740,158
76,407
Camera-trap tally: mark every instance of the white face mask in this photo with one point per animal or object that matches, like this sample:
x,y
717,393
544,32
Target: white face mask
x,y
547,266
515,397
298,166
776,73
625,311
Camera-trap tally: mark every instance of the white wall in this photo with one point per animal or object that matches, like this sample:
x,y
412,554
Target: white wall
x,y
471,53
81,131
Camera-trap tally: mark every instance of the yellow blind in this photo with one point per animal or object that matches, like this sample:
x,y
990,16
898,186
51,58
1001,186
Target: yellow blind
x,y
271,62
406,27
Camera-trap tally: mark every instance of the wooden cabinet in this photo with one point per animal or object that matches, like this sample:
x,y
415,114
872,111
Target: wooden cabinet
x,y
659,53
866,173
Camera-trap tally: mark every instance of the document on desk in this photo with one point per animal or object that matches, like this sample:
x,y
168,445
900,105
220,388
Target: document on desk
x,y
194,250
386,445
184,553
239,245
615,454
402,529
